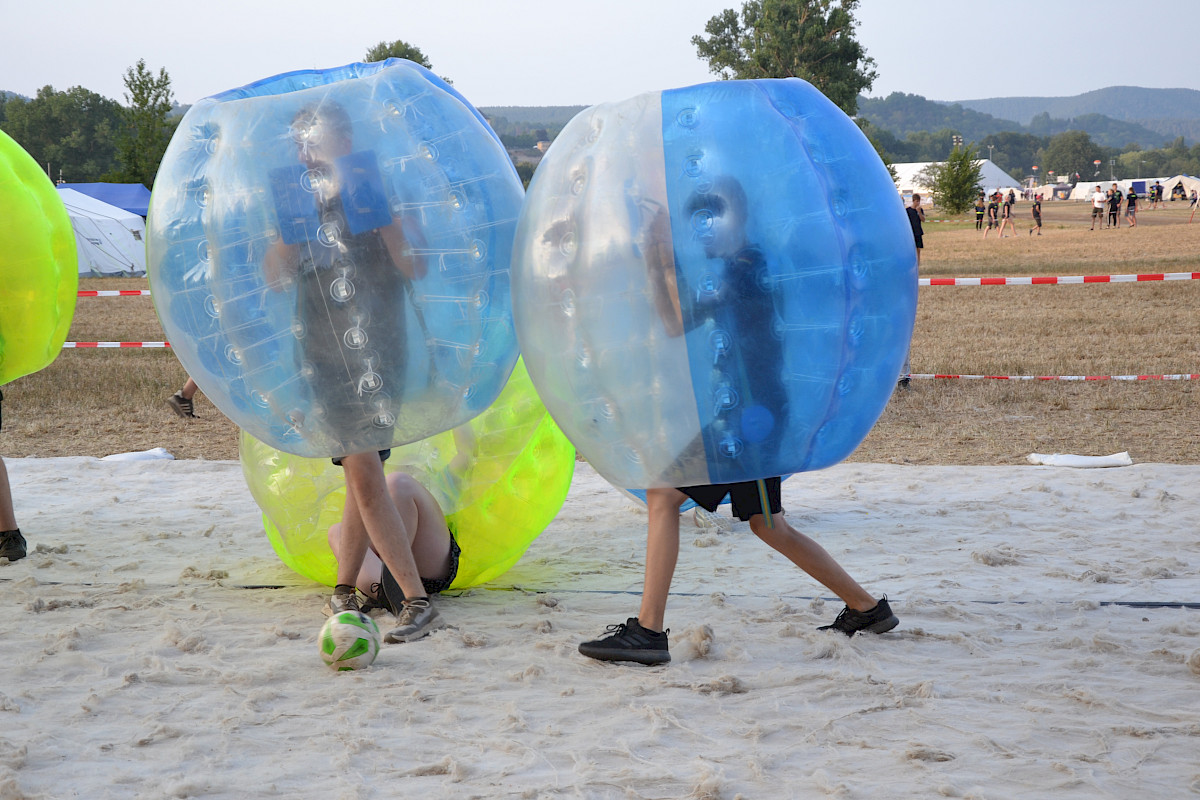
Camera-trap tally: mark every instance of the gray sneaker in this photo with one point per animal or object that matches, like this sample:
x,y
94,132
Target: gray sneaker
x,y
417,618
344,598
182,406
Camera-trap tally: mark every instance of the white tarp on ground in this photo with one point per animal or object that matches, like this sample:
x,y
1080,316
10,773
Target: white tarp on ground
x,y
991,178
109,240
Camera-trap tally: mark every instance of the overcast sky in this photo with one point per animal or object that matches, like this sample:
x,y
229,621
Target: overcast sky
x,y
572,52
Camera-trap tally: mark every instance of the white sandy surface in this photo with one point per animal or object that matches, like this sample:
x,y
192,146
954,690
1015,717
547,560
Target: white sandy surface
x,y
141,658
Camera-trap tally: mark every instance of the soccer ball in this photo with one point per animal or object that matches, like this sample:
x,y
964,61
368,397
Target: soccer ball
x,y
349,640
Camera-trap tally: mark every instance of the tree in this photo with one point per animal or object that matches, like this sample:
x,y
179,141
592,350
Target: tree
x,y
955,182
70,134
398,49
1071,153
809,39
147,130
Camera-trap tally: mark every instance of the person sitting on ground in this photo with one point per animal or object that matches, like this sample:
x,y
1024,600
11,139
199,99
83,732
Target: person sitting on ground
x,y
424,533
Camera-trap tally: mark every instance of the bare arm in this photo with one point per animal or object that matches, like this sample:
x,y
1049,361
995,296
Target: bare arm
x,y
280,265
660,263
401,250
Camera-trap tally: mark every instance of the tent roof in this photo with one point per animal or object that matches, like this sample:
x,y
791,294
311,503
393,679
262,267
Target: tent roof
x,y
89,206
991,177
132,197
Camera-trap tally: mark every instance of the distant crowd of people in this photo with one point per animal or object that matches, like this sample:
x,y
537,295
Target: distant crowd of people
x,y
1000,209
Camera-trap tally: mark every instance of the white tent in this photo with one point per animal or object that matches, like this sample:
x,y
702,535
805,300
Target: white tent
x,y
1189,183
991,178
109,240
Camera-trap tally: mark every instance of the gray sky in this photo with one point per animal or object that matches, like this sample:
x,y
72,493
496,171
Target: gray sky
x,y
571,52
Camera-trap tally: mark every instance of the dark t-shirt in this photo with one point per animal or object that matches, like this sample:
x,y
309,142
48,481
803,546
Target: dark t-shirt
x,y
351,304
914,221
1114,201
743,307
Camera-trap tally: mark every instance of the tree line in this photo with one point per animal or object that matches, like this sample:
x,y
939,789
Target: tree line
x,y
81,136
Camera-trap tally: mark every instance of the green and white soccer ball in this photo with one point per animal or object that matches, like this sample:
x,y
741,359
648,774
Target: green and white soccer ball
x,y
349,640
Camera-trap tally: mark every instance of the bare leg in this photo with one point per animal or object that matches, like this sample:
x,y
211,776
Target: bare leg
x,y
189,389
369,508
813,559
422,517
662,552
8,519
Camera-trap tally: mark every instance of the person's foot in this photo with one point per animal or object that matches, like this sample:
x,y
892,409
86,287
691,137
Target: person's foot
x,y
629,641
344,598
182,406
12,545
418,618
879,619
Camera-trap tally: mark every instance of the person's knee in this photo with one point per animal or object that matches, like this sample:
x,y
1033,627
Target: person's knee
x,y
664,499
402,485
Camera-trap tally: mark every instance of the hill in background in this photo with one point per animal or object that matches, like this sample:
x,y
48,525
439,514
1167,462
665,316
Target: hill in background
x,y
903,114
1167,112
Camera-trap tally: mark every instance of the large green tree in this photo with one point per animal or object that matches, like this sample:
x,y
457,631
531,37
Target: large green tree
x,y
1072,153
810,39
955,182
148,127
70,134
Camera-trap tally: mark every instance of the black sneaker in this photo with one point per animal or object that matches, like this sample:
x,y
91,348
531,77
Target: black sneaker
x,y
182,406
629,641
12,545
879,619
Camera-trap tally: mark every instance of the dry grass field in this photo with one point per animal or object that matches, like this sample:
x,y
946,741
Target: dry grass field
x,y
96,402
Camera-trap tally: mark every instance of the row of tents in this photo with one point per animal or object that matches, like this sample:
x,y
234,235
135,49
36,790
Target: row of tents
x,y
1141,186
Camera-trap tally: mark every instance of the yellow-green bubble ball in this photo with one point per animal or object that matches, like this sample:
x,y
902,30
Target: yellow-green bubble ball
x,y
38,265
500,478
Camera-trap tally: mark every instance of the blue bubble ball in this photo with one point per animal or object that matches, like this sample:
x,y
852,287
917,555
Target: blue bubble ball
x,y
714,284
329,255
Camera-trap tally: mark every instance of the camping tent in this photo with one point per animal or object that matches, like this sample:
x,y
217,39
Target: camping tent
x,y
109,240
1188,183
133,197
991,178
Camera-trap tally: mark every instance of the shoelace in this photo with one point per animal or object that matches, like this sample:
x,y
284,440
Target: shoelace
x,y
411,610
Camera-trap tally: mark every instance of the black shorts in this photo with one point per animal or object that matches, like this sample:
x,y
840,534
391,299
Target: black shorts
x,y
920,241
744,495
390,593
384,455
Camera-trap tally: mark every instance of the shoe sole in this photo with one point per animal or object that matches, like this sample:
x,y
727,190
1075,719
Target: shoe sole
x,y
883,626
647,657
391,637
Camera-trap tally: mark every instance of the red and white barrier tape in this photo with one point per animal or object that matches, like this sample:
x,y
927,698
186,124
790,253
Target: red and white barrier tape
x,y
1033,281
1187,376
69,345
1155,276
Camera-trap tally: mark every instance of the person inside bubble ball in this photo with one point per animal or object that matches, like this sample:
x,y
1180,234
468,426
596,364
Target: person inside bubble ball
x,y
351,293
746,305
